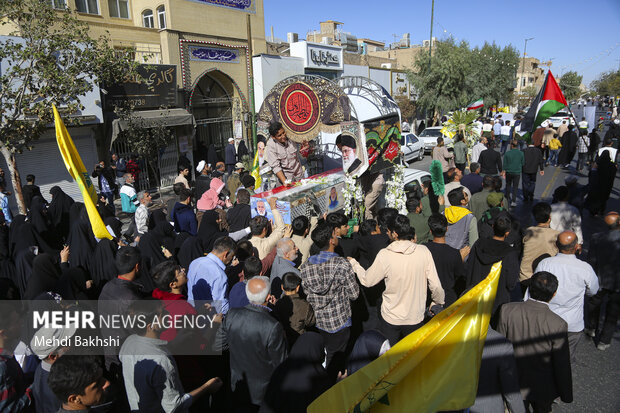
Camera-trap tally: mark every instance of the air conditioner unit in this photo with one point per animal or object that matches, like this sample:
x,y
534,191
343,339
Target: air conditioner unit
x,y
292,37
386,65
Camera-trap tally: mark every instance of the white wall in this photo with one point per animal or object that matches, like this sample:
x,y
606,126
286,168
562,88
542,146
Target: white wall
x,y
269,70
382,77
355,70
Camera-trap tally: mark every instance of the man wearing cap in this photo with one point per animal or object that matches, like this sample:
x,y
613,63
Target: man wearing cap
x,y
282,156
230,157
203,180
48,344
234,181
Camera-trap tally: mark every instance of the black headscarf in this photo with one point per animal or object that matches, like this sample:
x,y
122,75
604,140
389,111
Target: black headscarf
x,y
116,225
242,150
151,242
37,215
366,349
209,229
21,235
299,379
81,240
212,157
103,268
190,250
45,275
72,285
58,211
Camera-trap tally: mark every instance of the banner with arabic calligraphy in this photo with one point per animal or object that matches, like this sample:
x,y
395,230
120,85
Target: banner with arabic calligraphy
x,y
213,54
248,6
152,87
382,143
305,105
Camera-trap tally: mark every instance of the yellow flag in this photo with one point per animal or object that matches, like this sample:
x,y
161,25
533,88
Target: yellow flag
x,y
78,172
434,368
256,173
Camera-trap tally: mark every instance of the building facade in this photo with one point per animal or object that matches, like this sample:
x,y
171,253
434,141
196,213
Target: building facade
x,y
208,45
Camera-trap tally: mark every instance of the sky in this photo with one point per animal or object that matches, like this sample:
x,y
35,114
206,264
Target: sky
x,y
574,34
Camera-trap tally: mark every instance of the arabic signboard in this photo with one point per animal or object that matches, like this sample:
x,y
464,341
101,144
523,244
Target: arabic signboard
x,y
318,56
213,54
248,6
153,86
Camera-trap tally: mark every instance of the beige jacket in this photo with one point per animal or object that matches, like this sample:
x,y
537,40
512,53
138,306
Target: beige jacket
x,y
407,269
265,245
443,155
304,243
536,242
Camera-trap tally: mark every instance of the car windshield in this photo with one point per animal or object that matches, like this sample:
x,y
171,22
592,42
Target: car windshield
x,y
561,115
435,133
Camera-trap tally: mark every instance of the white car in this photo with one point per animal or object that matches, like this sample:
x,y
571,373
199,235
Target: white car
x,y
414,178
563,115
429,138
412,147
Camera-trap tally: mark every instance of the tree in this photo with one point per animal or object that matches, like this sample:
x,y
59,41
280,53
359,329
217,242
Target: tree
x,y
407,109
607,83
145,140
459,75
492,75
52,60
569,83
443,86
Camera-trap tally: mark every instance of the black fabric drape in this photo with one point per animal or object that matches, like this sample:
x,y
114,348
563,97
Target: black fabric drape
x,y
58,211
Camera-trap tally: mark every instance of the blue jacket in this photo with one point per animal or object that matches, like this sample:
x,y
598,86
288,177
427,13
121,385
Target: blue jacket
x,y
184,219
231,154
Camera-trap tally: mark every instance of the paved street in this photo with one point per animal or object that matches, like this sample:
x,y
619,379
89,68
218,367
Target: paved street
x,y
595,374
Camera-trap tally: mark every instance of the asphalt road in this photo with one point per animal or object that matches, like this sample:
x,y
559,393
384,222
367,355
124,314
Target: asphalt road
x,y
596,374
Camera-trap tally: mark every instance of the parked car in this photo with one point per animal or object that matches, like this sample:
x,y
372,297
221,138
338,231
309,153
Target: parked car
x,y
414,178
563,115
412,147
429,138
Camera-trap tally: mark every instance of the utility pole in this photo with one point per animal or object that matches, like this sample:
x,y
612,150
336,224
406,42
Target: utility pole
x,y
523,64
251,75
430,51
430,42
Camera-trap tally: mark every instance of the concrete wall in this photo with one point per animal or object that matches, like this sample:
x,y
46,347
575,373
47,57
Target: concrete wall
x,y
269,70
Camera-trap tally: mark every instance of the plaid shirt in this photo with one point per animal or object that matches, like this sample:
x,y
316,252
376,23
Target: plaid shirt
x,y
584,143
14,396
329,282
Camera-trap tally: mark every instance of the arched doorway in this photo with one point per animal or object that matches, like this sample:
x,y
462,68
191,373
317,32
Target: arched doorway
x,y
211,103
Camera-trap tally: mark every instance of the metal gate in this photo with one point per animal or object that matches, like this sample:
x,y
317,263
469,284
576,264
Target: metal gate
x,y
215,131
166,165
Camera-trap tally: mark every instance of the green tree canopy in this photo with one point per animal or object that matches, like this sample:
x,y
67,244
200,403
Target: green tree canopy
x,y
607,83
459,75
52,60
569,83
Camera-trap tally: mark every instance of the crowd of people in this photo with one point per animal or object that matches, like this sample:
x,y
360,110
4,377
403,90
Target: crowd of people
x,y
299,307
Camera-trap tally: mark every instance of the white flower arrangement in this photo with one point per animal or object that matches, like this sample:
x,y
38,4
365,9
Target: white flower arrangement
x,y
353,198
395,196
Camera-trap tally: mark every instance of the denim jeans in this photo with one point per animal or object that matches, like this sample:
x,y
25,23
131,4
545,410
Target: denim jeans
x,y
553,157
582,160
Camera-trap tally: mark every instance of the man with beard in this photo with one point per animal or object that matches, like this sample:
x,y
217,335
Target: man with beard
x,y
117,295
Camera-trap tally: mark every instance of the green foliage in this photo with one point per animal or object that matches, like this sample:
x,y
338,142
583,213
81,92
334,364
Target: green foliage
x,y
144,139
56,62
458,75
607,83
407,109
569,83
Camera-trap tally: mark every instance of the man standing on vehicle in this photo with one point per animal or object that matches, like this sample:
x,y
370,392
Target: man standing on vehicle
x,y
282,156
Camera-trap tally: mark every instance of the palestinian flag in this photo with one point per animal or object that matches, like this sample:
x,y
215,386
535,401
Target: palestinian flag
x,y
475,105
546,104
